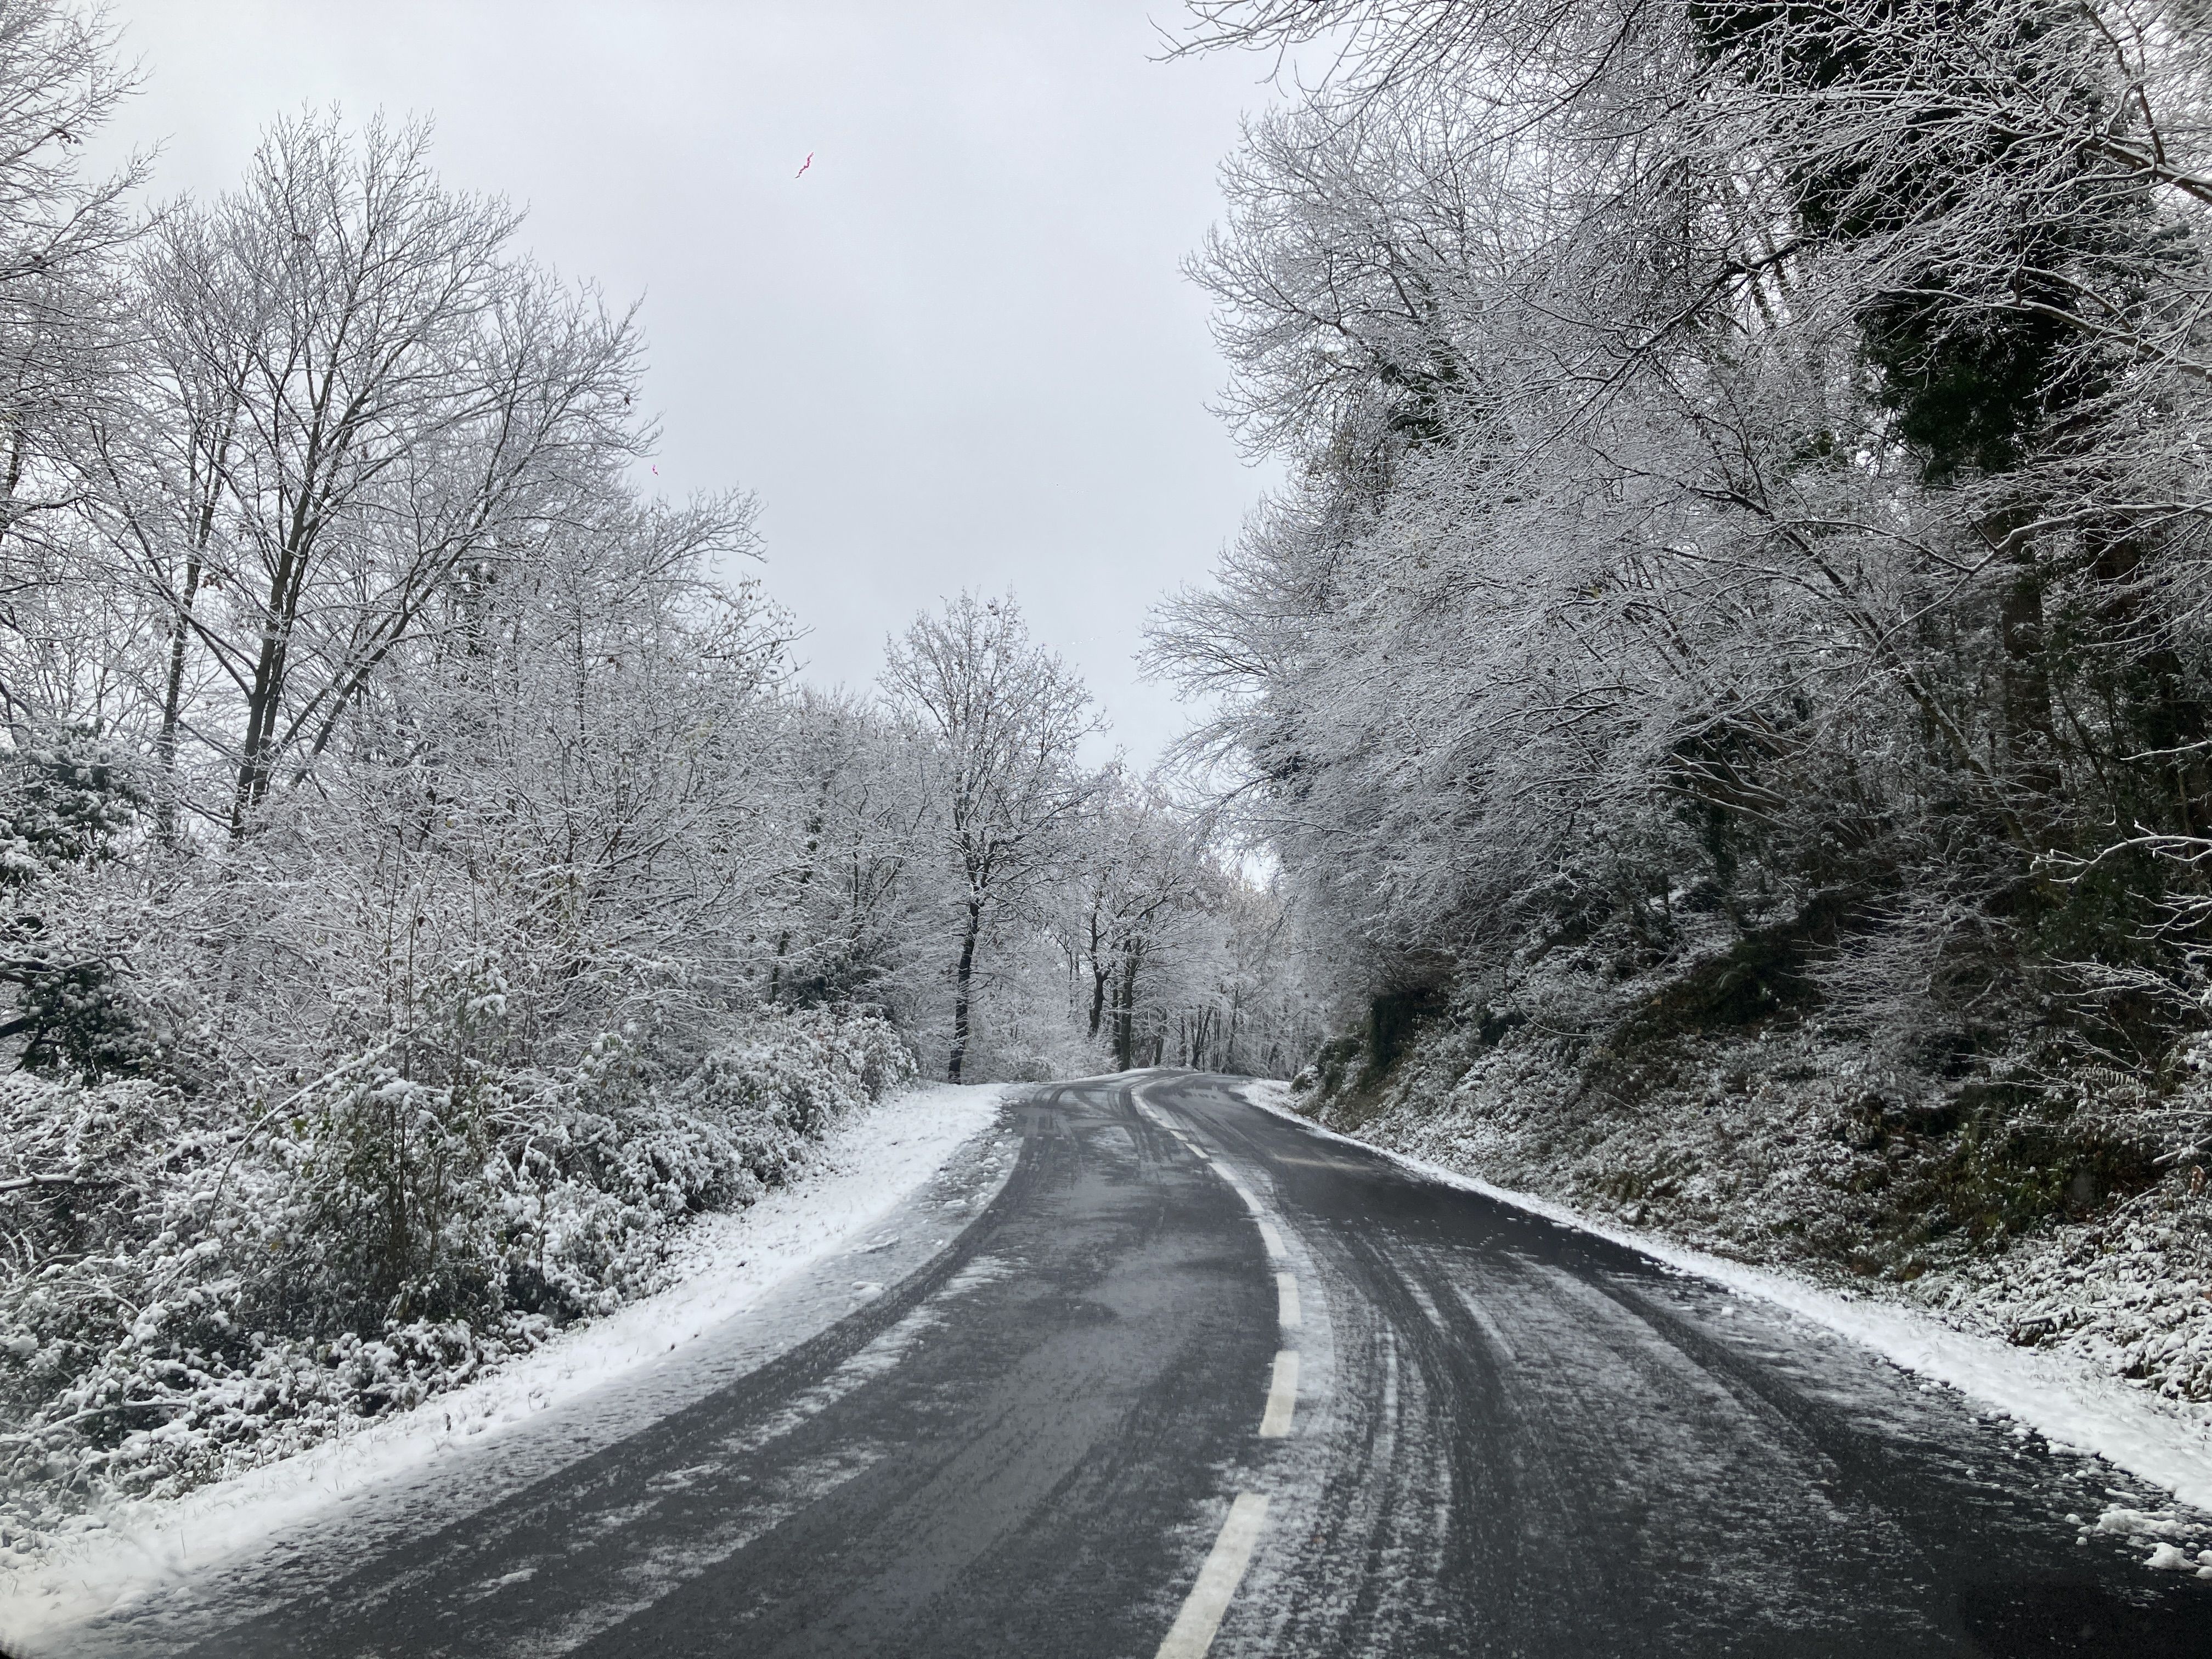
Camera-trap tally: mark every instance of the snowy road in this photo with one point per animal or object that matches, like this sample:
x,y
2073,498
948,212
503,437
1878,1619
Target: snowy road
x,y
1198,1380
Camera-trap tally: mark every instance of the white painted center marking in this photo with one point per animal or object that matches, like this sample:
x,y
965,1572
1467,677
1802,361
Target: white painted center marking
x,y
1192,1633
1286,1301
1282,1397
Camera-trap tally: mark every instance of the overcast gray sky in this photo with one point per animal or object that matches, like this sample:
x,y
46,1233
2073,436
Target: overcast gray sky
x,y
957,352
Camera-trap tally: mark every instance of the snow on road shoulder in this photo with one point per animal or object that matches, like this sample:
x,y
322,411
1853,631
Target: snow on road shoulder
x,y
2167,1443
723,1265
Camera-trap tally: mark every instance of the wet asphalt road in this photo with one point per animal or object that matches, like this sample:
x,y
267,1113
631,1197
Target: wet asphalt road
x,y
1503,1437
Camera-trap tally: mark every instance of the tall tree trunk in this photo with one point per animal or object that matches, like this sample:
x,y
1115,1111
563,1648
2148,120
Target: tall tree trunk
x,y
265,702
1099,973
208,489
1125,1016
256,765
172,699
2029,725
962,984
15,458
805,876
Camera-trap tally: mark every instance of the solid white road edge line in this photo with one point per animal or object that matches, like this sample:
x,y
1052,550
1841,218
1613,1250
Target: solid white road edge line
x,y
1282,1397
1192,1633
1272,1240
1286,1301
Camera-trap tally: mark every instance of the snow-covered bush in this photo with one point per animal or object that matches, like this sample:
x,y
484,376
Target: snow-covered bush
x,y
183,1295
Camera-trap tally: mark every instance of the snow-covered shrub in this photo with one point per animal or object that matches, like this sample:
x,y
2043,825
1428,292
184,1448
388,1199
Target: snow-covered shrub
x,y
67,796
68,801
776,1092
110,1268
183,1296
385,1213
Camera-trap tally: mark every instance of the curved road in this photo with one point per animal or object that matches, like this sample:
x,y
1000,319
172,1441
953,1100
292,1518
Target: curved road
x,y
1196,1380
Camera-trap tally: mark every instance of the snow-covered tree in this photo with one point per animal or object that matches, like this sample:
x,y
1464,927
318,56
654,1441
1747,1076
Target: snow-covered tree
x,y
998,720
356,394
1743,468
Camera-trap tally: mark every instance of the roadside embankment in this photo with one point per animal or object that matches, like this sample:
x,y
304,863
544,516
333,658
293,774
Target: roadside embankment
x,y
2095,1331
724,1271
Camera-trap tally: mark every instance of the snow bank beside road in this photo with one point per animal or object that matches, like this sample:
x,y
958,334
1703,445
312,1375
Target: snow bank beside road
x,y
2166,1441
725,1264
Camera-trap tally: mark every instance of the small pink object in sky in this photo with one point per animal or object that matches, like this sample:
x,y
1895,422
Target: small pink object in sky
x,y
803,165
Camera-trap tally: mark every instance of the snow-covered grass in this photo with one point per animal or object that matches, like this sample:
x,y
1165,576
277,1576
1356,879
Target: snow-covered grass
x,y
723,1265
2064,1395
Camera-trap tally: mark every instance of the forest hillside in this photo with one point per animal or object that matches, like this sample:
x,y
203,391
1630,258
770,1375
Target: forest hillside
x,y
1728,685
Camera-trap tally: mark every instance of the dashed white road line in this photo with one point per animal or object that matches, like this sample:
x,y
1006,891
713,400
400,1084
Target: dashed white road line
x,y
1202,1612
1192,1633
1282,1397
